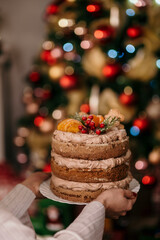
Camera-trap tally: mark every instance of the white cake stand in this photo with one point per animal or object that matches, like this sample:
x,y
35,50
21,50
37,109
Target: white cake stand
x,y
134,186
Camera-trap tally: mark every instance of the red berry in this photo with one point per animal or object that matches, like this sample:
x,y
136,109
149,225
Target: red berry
x,y
80,127
84,118
102,125
90,117
92,124
98,131
87,123
93,128
83,131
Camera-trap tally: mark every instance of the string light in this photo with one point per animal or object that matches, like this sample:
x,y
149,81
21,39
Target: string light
x,y
141,164
130,12
86,44
48,45
69,70
93,8
38,121
134,131
128,90
80,31
68,47
57,52
64,22
22,158
158,63
19,141
57,114
148,180
23,132
130,48
112,53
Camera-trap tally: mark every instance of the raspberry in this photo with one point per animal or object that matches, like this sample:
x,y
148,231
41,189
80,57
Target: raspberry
x,y
83,131
102,125
80,127
84,118
90,117
87,122
92,124
98,131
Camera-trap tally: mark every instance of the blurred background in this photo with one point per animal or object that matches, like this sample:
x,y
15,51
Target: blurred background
x,y
57,57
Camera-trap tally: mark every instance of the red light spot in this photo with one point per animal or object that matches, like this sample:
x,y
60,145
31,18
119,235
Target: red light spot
x,y
148,180
111,70
38,121
34,76
47,168
93,8
99,34
85,108
134,32
52,9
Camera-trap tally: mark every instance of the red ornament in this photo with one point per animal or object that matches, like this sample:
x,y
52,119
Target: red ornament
x,y
34,76
134,32
127,99
47,168
104,33
68,81
52,9
141,123
38,121
111,70
47,57
93,8
85,108
46,94
148,180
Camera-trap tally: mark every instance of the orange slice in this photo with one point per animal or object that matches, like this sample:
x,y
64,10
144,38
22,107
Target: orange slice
x,y
95,119
69,125
101,118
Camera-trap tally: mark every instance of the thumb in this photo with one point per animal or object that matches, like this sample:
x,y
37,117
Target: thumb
x,y
128,194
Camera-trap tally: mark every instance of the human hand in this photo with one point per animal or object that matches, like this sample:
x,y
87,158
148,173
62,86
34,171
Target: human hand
x,y
34,181
117,202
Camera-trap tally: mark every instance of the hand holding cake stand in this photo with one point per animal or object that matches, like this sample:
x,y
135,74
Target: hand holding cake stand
x,y
45,190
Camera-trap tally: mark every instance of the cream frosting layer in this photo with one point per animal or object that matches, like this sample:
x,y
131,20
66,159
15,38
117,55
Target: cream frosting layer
x,y
108,137
79,186
91,164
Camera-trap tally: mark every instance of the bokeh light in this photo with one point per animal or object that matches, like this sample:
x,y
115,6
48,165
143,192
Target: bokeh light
x,y
130,12
130,48
134,131
112,53
68,47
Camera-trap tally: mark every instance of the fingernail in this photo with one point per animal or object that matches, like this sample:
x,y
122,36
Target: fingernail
x,y
134,194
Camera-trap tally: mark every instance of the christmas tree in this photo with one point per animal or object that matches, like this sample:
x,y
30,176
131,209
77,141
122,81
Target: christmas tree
x,y
97,55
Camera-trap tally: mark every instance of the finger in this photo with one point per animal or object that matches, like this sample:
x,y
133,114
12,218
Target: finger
x,y
128,194
123,213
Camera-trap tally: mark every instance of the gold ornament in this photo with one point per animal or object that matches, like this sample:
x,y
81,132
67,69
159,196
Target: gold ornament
x,y
153,110
109,100
143,66
47,126
56,71
93,62
75,97
154,156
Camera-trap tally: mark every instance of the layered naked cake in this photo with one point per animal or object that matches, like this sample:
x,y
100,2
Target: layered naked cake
x,y
89,155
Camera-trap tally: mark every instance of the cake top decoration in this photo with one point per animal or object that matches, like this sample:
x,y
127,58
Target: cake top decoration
x,y
91,123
